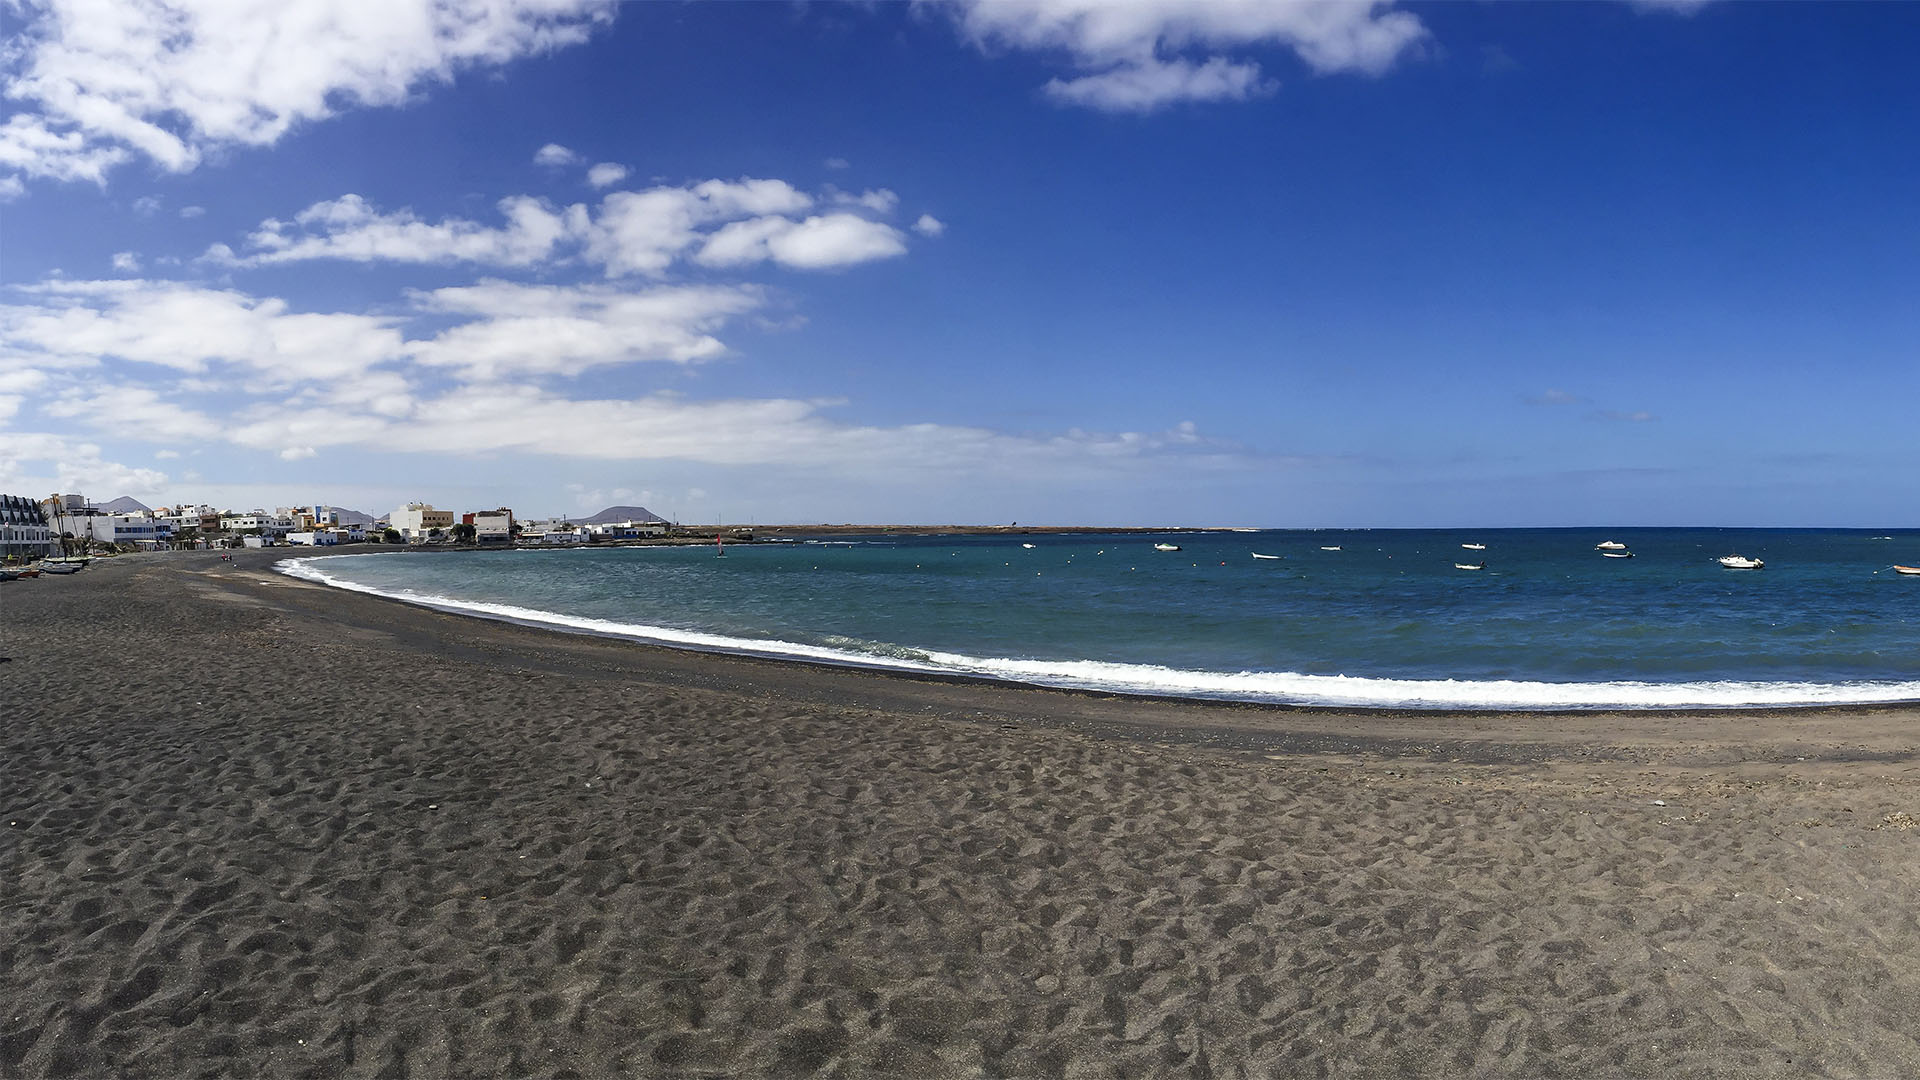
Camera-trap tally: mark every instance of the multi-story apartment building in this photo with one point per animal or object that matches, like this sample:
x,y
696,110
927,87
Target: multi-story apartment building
x,y
25,532
491,526
415,520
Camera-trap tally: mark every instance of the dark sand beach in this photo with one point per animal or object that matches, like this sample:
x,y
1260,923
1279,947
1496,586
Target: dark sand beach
x,y
254,827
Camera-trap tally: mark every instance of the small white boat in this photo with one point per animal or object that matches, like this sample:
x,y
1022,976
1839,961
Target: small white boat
x,y
1469,566
52,567
1616,554
1336,547
1740,562
1166,547
1474,547
1913,570
1610,545
1029,547
1257,555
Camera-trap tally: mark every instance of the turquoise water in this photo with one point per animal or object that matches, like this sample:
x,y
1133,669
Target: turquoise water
x,y
1387,620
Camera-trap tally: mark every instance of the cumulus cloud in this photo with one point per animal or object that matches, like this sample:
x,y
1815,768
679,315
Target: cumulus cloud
x,y
351,228
41,461
171,80
817,243
554,156
1152,84
928,225
191,212
126,262
1130,54
715,222
519,329
606,174
249,371
189,329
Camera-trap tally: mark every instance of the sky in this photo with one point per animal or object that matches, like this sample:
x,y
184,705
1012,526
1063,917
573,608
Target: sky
x,y
1272,264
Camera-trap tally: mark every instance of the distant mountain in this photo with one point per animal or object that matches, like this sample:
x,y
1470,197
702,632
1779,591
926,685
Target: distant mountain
x,y
353,517
125,504
620,513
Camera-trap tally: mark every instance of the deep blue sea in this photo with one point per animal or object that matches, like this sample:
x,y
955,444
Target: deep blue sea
x,y
1386,620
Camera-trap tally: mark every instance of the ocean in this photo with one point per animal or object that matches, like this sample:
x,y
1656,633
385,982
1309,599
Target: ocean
x,y
1387,620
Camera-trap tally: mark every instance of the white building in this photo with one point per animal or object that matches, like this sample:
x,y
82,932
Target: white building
x,y
415,520
267,524
25,532
319,537
493,526
629,530
135,529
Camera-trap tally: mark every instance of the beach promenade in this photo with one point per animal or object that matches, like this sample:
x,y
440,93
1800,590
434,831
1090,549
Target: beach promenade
x,y
250,826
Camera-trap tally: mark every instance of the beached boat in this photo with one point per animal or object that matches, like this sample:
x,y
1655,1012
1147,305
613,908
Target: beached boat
x,y
1469,566
1914,570
1166,547
1616,554
1740,562
1474,547
1610,545
1257,555
51,567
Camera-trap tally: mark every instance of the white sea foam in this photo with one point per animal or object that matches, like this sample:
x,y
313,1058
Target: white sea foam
x,y
1282,687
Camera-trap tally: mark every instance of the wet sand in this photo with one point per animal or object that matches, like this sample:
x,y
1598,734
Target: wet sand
x,y
254,827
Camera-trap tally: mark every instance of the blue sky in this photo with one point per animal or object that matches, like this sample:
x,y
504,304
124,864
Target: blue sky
x,y
1053,261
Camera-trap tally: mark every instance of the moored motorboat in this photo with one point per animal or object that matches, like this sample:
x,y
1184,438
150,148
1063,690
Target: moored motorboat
x,y
1166,547
1740,562
1912,570
1257,555
1474,547
1616,554
1029,547
1336,547
1469,566
1610,545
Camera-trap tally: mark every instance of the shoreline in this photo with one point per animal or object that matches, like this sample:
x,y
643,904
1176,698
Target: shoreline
x,y
556,624
260,826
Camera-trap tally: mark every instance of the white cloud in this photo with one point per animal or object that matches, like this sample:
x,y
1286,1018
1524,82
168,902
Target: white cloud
x,y
553,156
643,232
928,225
166,455
606,174
716,222
835,240
190,329
126,262
190,212
351,228
555,330
1553,397
880,201
830,240
296,453
1152,84
838,163
32,461
147,205
11,188
1130,51
171,80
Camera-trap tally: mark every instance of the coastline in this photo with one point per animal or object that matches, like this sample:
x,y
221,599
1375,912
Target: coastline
x,y
263,825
